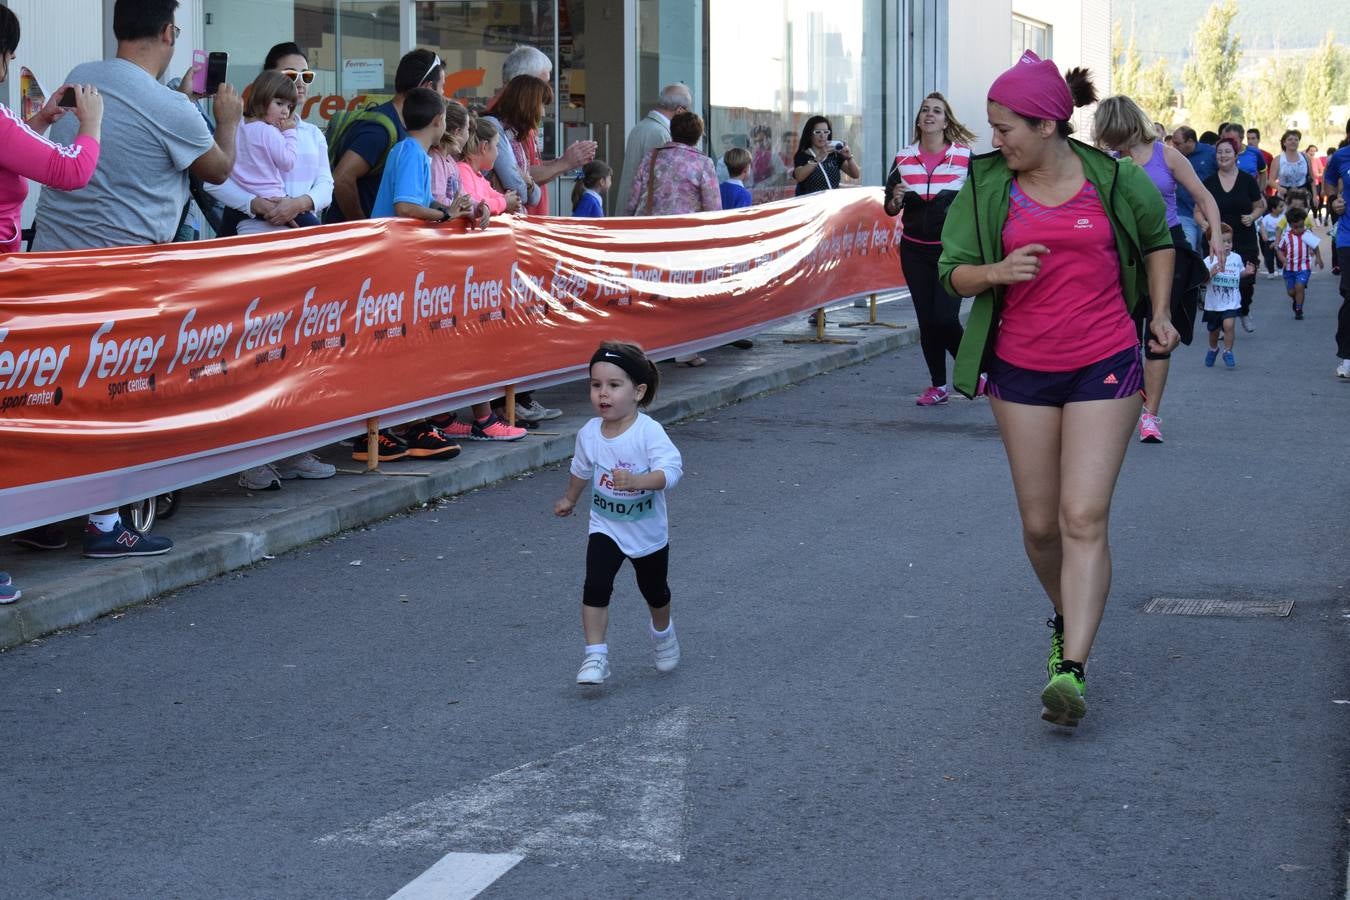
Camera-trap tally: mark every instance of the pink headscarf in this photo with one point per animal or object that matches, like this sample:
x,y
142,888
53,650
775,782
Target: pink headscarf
x,y
1034,88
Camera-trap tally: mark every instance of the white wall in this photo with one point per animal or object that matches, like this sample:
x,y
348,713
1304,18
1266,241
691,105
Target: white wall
x,y
978,40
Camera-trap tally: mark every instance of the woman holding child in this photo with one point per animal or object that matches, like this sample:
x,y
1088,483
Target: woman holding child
x,y
307,188
1058,242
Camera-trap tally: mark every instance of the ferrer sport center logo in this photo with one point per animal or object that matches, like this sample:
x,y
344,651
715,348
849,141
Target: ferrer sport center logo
x,y
29,377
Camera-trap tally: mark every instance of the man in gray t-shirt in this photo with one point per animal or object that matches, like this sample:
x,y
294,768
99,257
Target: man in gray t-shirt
x,y
152,137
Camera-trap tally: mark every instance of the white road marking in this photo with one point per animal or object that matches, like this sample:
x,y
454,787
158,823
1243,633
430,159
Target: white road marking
x,y
620,796
458,876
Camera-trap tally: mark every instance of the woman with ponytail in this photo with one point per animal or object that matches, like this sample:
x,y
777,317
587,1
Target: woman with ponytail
x,y
1059,242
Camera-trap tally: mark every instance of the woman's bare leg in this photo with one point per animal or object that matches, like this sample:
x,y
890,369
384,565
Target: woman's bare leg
x,y
1031,436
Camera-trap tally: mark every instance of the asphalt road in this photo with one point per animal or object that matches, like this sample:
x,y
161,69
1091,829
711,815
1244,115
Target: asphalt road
x,y
855,715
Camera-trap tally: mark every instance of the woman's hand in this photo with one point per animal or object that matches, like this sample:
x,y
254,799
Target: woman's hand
x,y
898,191
1023,264
287,208
1164,336
264,206
562,507
88,106
50,112
1249,219
844,151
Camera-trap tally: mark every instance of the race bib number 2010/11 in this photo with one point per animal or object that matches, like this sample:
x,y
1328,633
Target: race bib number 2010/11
x,y
620,509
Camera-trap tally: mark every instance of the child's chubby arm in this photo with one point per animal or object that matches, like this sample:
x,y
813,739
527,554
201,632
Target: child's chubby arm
x,y
1317,256
564,505
625,480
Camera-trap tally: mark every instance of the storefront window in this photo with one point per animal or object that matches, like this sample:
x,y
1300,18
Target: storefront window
x,y
352,45
774,65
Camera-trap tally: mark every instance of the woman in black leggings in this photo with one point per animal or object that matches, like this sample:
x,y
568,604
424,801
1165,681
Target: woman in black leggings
x,y
922,183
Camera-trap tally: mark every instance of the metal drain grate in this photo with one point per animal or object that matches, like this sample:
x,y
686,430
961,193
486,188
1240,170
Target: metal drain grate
x,y
1182,606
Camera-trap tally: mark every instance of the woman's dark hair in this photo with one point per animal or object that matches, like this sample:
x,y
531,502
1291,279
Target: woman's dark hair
x,y
1083,92
686,128
267,87
287,48
518,106
421,106
634,362
1292,132
416,68
9,31
1209,137
592,174
135,20
805,143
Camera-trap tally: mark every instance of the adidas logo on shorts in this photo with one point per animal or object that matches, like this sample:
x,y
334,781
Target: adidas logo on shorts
x,y
1111,379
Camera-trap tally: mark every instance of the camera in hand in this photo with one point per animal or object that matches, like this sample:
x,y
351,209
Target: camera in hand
x,y
67,98
836,146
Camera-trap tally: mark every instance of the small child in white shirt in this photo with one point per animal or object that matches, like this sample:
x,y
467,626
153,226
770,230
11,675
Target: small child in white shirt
x,y
1223,302
1267,231
629,463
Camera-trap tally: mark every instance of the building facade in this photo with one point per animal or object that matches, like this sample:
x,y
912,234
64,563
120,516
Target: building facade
x,y
757,70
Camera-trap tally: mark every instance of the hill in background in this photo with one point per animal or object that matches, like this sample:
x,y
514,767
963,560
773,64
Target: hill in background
x,y
1165,26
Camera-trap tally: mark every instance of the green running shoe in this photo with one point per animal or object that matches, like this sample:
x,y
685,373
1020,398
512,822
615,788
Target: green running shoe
x,y
1056,648
1062,696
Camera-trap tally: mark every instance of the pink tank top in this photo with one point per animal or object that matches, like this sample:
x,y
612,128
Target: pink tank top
x,y
1073,313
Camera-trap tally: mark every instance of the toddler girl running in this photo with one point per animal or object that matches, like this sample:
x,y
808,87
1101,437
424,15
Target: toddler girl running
x,y
265,149
629,462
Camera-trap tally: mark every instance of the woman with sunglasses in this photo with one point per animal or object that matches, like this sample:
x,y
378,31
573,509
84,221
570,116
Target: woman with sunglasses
x,y
820,160
309,184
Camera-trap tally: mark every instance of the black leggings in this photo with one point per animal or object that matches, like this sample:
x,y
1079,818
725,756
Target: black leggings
x,y
1268,254
1343,317
939,313
1247,284
603,559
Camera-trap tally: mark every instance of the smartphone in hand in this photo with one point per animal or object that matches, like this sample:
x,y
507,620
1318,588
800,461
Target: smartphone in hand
x,y
216,64
67,98
199,71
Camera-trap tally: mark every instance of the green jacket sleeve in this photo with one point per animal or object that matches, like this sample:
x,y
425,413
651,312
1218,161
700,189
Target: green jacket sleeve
x,y
960,238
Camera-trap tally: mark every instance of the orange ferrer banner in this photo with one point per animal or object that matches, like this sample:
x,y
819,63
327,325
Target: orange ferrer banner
x,y
129,372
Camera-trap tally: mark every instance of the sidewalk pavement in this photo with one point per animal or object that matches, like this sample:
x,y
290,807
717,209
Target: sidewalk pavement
x,y
219,526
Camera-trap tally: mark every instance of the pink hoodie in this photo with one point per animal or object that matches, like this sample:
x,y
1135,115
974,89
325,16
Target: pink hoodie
x,y
27,154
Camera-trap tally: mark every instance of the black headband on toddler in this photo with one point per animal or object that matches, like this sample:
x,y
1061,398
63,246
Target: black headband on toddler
x,y
638,370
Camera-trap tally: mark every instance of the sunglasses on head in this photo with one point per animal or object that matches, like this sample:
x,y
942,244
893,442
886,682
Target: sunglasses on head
x,y
305,75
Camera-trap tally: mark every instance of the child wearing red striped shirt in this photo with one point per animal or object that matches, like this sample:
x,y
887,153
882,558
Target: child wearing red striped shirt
x,y
1298,249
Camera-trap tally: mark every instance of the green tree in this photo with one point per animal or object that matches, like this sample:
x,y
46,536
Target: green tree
x,y
1127,66
1208,77
1271,98
1319,85
1155,92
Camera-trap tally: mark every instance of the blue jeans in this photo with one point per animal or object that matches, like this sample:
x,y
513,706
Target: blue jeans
x,y
1192,231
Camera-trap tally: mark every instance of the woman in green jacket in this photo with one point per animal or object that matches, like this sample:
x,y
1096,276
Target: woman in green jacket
x,y
1055,240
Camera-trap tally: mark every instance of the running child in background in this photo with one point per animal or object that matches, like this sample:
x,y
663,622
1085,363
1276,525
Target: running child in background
x,y
1295,199
1297,251
265,148
1267,231
735,194
629,463
1223,301
588,194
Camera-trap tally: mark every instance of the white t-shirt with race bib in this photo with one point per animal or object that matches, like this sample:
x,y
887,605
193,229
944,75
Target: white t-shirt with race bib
x,y
635,520
1222,293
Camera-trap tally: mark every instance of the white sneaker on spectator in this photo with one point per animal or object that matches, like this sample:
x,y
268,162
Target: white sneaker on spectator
x,y
594,670
534,411
1343,370
1247,324
263,478
306,465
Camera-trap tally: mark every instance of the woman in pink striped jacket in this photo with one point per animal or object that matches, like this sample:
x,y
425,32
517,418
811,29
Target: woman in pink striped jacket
x,y
27,154
922,183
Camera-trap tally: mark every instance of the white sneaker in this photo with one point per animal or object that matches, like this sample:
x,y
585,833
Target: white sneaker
x,y
534,411
306,465
263,478
1343,370
1270,275
667,653
1247,324
594,670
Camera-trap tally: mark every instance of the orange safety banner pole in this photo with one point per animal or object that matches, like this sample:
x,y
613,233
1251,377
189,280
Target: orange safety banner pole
x,y
128,372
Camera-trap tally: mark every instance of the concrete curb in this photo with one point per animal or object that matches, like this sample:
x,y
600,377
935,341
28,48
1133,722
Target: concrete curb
x,y
89,593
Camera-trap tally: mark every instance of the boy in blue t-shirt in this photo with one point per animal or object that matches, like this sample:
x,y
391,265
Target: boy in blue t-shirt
x,y
734,192
405,186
